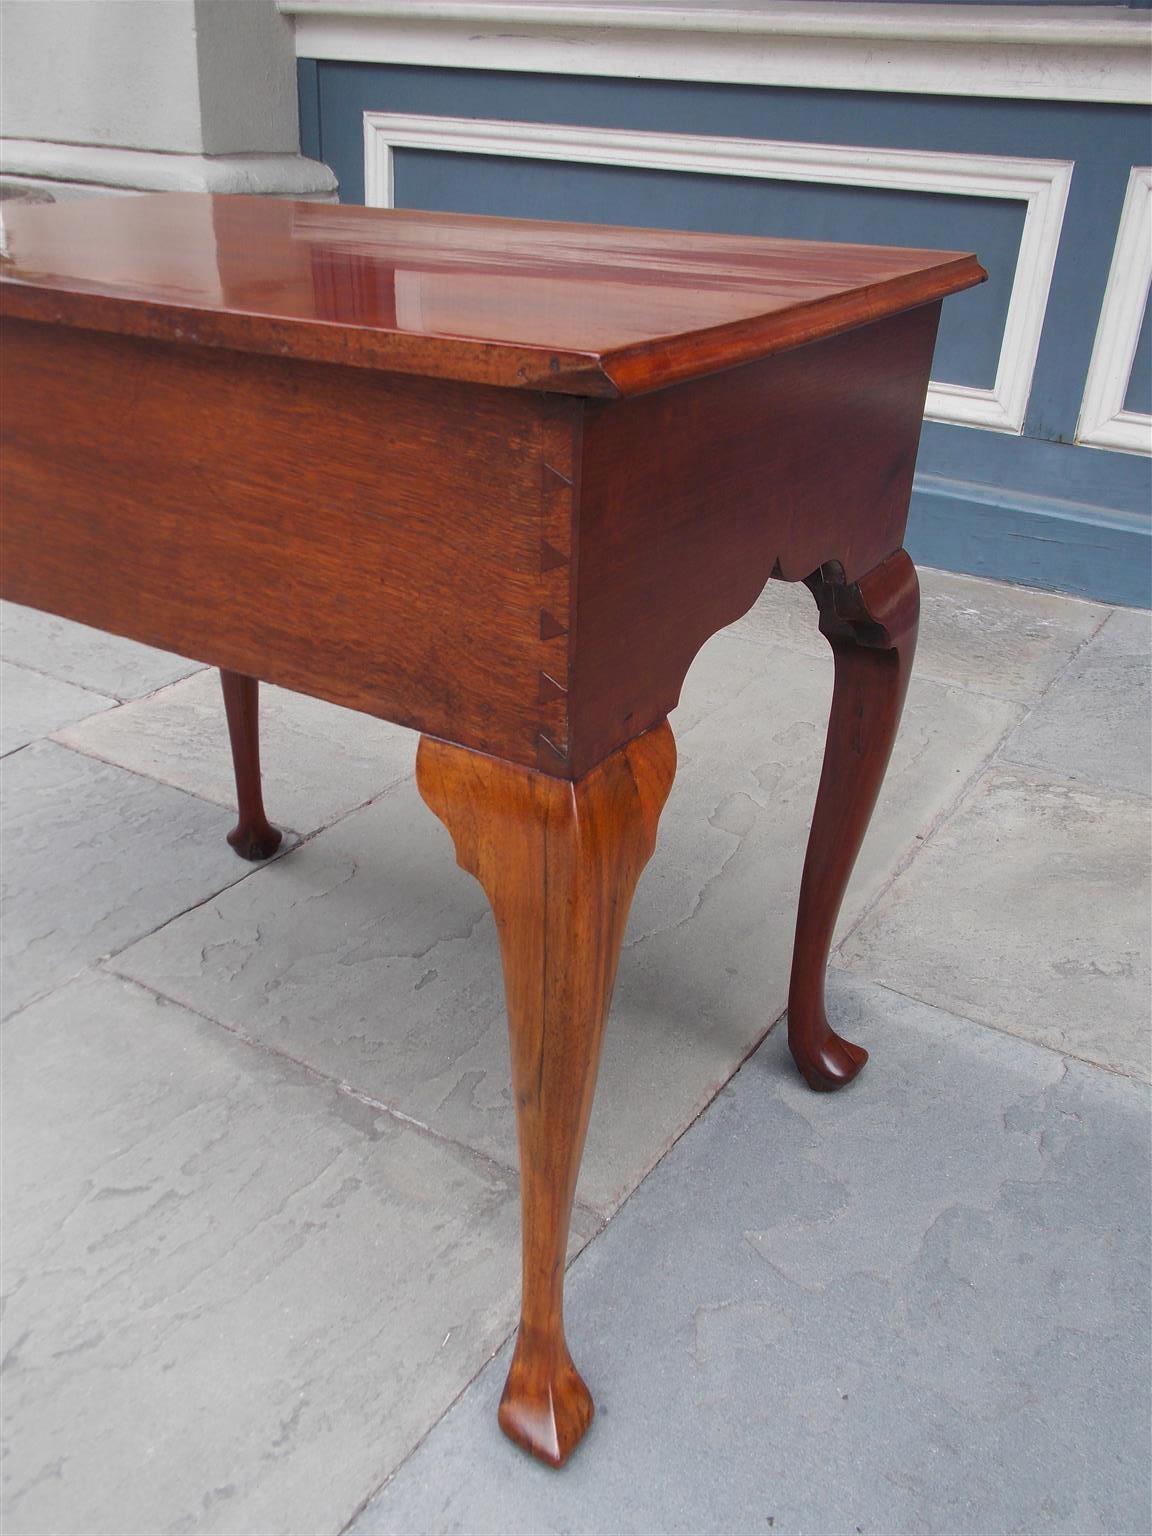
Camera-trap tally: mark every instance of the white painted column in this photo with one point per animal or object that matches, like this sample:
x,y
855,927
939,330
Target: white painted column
x,y
151,95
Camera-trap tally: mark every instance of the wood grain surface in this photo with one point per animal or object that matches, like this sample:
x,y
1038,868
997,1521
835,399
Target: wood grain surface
x,y
370,539
569,308
691,498
559,863
525,574
253,836
871,626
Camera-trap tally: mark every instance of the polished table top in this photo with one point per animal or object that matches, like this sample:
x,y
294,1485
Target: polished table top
x,y
569,308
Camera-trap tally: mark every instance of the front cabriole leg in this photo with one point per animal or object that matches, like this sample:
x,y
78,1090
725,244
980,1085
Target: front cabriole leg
x,y
871,626
559,862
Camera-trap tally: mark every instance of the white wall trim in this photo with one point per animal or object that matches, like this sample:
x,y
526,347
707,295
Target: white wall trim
x,y
1042,185
1104,423
1070,53
143,170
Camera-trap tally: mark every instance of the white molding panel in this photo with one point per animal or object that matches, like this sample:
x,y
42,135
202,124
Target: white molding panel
x,y
1040,53
1104,423
1041,185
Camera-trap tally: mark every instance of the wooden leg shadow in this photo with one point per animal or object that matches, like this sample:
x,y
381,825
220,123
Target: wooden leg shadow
x,y
871,626
559,862
253,837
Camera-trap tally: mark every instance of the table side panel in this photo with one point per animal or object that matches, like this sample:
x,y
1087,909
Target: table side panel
x,y
369,539
693,497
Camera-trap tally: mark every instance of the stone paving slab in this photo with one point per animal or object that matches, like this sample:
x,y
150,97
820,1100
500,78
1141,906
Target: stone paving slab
x,y
370,955
1028,911
1009,642
185,1185
318,761
94,857
237,1297
87,657
33,705
1096,722
920,1305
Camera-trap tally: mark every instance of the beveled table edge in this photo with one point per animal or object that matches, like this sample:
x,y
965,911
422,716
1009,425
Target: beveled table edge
x,y
608,373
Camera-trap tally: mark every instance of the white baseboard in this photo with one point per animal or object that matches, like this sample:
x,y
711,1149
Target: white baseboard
x,y
138,170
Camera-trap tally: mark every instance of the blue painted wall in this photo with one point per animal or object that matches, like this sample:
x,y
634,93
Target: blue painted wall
x,y
1031,508
1139,397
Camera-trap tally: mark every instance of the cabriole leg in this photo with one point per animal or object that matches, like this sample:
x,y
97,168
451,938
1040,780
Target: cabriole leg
x,y
871,626
253,837
559,862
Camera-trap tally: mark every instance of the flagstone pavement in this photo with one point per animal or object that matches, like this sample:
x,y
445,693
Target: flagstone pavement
x,y
260,1230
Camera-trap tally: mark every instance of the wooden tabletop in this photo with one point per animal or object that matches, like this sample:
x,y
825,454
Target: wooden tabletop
x,y
572,308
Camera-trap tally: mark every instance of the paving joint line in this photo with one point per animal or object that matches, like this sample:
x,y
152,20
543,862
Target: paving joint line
x,y
957,1013
370,1497
949,810
374,1493
117,698
1063,671
812,654
301,840
506,1173
114,699
137,773
493,1164
920,842
221,805
51,991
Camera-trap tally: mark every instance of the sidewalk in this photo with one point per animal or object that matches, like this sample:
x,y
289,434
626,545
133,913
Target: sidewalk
x,y
261,1236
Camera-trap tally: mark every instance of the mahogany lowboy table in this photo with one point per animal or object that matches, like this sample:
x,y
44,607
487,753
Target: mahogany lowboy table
x,y
498,481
